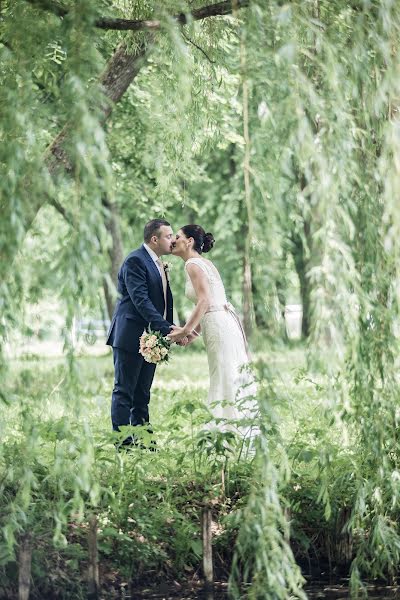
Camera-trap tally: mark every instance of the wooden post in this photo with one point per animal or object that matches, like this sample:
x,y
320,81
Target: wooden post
x,y
343,550
206,520
93,569
24,567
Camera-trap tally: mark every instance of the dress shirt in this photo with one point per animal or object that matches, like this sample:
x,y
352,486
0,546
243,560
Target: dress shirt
x,y
160,268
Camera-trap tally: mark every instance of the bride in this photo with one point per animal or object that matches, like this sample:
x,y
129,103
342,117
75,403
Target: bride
x,y
219,324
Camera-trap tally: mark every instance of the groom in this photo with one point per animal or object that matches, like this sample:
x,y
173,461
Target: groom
x,y
144,299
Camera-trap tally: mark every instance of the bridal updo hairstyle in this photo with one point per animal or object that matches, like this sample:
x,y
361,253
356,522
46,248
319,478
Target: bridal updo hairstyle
x,y
203,242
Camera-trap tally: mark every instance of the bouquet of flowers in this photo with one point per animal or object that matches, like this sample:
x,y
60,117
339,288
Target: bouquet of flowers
x,y
154,347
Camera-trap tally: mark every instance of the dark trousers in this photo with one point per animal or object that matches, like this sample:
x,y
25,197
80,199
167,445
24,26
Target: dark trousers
x,y
131,393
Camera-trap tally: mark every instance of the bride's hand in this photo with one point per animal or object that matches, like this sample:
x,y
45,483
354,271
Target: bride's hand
x,y
177,334
191,337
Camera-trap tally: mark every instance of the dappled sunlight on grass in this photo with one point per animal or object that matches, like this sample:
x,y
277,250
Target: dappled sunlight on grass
x,y
185,376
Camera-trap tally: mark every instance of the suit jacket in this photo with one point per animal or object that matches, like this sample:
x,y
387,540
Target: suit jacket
x,y
140,303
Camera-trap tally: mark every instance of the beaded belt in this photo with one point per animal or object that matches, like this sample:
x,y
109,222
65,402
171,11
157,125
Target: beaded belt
x,y
228,307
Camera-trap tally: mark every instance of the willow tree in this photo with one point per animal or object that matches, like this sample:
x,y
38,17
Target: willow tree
x,y
35,165
331,167
316,103
54,153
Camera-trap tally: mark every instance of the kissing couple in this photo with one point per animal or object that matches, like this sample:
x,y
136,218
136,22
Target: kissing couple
x,y
145,299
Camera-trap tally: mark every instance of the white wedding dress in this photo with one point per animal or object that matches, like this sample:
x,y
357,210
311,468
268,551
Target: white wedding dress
x,y
232,387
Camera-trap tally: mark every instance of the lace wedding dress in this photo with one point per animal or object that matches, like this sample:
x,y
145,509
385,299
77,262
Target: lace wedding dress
x,y
227,351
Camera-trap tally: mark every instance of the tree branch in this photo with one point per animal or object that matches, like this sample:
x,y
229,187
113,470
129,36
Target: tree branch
x,y
120,71
198,48
59,208
211,10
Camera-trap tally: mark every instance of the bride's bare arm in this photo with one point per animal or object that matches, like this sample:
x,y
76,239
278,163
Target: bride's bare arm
x,y
197,329
192,337
202,289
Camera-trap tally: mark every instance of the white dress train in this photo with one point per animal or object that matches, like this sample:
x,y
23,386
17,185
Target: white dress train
x,y
227,353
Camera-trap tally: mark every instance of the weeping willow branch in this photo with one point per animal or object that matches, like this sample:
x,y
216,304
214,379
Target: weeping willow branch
x,y
212,10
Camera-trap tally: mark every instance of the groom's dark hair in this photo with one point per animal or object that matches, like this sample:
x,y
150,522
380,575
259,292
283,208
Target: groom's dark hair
x,y
153,228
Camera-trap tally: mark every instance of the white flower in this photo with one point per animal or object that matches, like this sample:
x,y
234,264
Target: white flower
x,y
152,347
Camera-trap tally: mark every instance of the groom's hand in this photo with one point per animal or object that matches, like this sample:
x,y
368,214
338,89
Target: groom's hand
x,y
183,342
176,334
191,337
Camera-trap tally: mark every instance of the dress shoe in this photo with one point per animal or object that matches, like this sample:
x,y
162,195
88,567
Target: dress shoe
x,y
137,443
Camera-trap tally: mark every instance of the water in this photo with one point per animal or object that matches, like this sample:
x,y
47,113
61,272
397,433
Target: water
x,y
340,591
315,591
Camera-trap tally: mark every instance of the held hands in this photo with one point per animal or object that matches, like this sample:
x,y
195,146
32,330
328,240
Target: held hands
x,y
177,334
190,338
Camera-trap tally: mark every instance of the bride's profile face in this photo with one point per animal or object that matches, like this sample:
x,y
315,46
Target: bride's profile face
x,y
180,245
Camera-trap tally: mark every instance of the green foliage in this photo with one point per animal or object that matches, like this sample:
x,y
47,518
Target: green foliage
x,y
58,466
324,134
263,557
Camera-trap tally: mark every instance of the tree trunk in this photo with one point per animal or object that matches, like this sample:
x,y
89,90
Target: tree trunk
x,y
248,308
301,264
343,549
248,305
119,73
260,315
305,291
116,254
181,316
301,250
281,291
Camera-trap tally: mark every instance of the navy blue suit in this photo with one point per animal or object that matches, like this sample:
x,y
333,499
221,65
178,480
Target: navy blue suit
x,y
140,304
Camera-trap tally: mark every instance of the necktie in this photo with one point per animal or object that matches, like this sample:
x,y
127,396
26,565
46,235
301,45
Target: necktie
x,y
164,283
